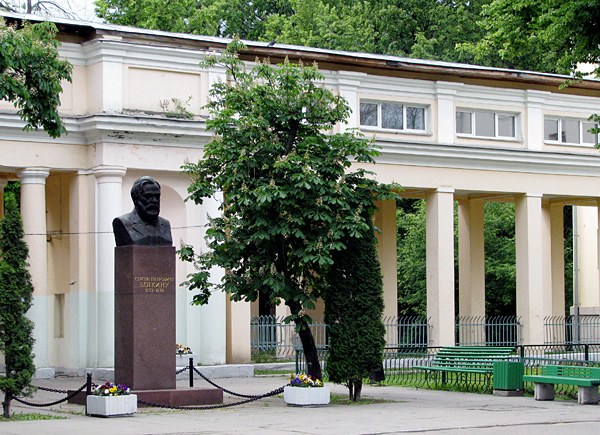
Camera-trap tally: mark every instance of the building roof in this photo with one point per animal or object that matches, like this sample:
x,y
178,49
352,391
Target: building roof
x,y
385,64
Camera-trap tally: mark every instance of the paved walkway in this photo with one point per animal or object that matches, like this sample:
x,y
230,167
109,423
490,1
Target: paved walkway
x,y
398,410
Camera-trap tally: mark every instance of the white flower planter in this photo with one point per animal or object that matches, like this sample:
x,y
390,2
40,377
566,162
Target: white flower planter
x,y
111,406
184,360
311,396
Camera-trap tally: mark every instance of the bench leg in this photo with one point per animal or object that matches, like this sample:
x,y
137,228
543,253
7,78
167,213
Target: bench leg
x,y
587,395
544,392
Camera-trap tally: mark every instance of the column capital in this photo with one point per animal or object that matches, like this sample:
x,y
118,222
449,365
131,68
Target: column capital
x,y
109,174
445,189
33,175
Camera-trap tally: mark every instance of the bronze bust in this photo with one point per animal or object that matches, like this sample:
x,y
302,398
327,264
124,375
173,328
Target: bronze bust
x,y
143,225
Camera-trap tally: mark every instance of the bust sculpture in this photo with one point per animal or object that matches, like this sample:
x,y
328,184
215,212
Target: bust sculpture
x,y
143,225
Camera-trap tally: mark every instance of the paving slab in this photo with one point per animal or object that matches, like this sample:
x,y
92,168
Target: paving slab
x,y
396,410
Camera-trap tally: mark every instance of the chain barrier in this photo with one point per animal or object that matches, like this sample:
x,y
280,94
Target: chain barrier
x,y
205,407
42,405
248,398
182,370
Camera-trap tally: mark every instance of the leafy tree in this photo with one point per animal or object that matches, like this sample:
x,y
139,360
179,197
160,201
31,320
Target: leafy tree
x,y
353,311
412,264
500,263
289,200
31,73
16,339
542,35
207,17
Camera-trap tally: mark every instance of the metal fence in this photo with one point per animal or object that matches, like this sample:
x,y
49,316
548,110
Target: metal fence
x,y
572,329
399,366
488,330
269,334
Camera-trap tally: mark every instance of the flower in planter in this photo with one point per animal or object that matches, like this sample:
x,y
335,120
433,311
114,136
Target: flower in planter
x,y
182,350
304,381
110,389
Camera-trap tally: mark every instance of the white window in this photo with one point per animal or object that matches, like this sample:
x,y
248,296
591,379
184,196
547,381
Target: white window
x,y
486,124
570,131
392,116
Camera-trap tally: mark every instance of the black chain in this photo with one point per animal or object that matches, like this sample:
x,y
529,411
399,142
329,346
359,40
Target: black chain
x,y
52,390
226,390
227,405
182,370
41,405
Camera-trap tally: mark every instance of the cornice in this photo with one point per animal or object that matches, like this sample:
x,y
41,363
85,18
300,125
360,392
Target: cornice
x,y
488,159
141,129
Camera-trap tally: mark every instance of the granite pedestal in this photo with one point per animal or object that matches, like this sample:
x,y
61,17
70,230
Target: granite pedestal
x,y
145,326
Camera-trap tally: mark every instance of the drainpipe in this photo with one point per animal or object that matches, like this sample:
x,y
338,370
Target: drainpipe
x,y
575,326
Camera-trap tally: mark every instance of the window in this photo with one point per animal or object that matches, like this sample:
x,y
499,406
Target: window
x,y
392,116
571,131
486,124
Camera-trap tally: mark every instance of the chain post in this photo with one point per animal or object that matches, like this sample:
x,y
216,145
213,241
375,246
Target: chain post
x,y
191,369
88,389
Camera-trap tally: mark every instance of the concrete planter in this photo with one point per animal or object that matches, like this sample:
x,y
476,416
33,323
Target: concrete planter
x,y
310,396
184,360
111,406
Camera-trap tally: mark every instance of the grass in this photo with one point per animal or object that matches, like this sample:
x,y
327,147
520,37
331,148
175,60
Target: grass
x,y
340,399
271,372
31,416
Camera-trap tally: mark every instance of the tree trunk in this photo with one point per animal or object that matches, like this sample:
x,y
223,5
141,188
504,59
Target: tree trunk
x,y
6,405
313,366
350,389
357,390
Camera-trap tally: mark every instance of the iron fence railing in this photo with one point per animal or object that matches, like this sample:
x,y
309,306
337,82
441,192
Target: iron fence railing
x,y
572,329
270,334
488,330
399,365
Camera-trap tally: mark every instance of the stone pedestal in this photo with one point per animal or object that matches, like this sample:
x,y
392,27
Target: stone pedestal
x,y
145,317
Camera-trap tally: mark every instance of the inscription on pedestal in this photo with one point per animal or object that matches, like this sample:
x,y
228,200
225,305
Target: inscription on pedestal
x,y
145,317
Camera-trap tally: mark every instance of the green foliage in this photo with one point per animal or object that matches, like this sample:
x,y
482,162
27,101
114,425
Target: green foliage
x,y
500,263
16,340
500,260
208,17
411,269
353,311
546,35
31,73
289,197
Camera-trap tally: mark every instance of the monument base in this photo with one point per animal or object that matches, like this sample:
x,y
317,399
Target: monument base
x,y
169,397
181,397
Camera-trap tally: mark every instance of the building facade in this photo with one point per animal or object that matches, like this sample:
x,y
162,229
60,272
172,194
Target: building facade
x,y
449,133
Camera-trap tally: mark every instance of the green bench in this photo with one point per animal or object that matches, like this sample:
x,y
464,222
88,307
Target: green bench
x,y
586,379
465,360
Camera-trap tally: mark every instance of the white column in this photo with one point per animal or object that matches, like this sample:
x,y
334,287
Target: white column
x,y
440,265
446,112
557,266
534,295
471,258
348,85
33,211
385,220
206,326
109,188
534,129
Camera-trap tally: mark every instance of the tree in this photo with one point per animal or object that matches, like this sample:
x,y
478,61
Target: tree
x,y
16,339
225,18
39,7
31,73
289,199
500,262
542,35
353,311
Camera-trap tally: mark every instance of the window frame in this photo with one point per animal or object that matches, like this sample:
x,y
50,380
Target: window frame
x,y
581,130
405,105
473,113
